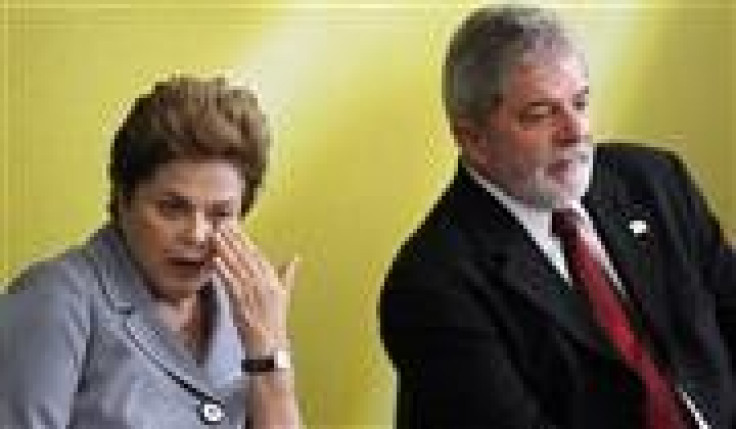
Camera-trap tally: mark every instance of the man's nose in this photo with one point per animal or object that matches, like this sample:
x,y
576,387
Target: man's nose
x,y
574,127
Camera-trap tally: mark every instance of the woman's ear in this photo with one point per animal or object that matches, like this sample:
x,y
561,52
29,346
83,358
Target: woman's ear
x,y
118,204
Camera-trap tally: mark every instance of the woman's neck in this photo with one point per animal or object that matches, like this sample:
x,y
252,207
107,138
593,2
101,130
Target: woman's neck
x,y
187,319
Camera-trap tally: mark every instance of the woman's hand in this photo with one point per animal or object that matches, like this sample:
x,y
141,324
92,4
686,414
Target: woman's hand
x,y
259,294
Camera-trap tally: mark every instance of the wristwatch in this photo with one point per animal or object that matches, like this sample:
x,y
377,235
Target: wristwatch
x,y
279,360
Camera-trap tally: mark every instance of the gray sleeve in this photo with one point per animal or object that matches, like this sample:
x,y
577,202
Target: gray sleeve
x,y
44,326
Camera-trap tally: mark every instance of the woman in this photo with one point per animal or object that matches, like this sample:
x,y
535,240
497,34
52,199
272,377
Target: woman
x,y
167,317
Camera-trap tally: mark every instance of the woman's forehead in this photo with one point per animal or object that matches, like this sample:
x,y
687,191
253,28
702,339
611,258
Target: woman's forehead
x,y
214,178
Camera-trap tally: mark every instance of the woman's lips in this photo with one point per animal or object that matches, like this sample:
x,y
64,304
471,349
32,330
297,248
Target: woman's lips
x,y
189,266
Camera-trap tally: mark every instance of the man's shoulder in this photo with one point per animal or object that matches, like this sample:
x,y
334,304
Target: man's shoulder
x,y
437,240
641,169
432,238
627,157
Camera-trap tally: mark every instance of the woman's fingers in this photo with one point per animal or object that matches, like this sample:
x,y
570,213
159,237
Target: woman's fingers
x,y
240,297
232,252
241,270
287,274
259,295
243,253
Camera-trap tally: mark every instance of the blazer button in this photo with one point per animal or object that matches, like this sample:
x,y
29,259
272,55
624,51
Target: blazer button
x,y
211,413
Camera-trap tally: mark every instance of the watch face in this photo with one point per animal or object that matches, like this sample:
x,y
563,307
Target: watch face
x,y
279,360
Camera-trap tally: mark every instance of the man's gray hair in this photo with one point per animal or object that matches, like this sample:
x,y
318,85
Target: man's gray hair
x,y
488,44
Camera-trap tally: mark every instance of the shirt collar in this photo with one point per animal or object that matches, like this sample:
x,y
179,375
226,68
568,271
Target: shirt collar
x,y
535,220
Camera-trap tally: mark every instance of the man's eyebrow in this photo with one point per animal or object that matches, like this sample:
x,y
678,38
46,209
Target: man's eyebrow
x,y
546,102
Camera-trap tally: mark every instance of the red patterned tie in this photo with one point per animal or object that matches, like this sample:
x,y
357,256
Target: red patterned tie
x,y
662,408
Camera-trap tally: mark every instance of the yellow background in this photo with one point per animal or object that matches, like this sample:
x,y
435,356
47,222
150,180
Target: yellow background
x,y
361,150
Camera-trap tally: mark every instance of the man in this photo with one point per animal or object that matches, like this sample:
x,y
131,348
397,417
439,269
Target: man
x,y
620,315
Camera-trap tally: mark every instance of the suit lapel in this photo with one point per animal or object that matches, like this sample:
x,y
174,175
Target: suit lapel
x,y
626,229
529,272
505,247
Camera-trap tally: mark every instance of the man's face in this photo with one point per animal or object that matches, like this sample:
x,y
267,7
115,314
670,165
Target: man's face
x,y
535,143
170,219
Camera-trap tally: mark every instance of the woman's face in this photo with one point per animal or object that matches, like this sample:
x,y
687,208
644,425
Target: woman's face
x,y
169,220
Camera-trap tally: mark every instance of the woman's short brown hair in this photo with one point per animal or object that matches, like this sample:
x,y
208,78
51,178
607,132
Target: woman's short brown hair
x,y
195,119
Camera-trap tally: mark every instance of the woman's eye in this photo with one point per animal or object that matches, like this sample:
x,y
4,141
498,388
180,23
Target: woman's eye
x,y
171,208
225,214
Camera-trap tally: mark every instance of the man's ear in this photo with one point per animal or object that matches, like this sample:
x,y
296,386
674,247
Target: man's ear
x,y
465,131
471,139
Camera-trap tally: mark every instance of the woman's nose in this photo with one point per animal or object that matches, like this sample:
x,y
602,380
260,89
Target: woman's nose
x,y
199,229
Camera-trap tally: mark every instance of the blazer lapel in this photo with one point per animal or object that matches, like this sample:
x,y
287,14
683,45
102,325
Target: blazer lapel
x,y
159,347
225,351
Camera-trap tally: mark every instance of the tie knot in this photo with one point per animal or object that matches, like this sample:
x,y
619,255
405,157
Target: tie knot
x,y
564,223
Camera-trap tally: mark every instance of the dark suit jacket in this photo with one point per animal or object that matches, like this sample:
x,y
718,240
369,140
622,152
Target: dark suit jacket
x,y
484,333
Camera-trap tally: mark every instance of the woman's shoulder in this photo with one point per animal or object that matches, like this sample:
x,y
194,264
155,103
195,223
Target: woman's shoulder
x,y
60,286
45,324
68,272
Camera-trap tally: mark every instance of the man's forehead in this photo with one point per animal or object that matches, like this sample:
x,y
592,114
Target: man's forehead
x,y
547,76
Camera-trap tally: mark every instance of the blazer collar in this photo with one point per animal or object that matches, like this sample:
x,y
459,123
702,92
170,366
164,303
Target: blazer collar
x,y
121,283
127,294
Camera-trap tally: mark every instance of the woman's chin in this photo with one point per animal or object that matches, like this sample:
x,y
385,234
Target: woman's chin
x,y
182,288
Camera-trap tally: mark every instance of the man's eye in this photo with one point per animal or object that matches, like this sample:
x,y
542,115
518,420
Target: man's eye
x,y
534,116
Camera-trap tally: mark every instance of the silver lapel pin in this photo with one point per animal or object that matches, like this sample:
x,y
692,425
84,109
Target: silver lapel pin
x,y
638,227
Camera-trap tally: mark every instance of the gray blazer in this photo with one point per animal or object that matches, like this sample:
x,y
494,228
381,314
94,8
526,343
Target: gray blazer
x,y
81,347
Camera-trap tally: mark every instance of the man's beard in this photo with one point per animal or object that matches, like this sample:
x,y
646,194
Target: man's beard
x,y
549,193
